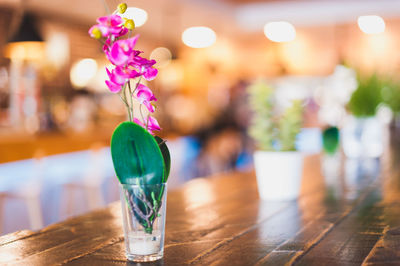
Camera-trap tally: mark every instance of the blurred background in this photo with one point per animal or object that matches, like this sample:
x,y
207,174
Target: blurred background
x,y
57,115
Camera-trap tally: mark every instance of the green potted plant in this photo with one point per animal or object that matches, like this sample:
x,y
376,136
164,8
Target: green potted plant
x,y
362,132
141,159
391,97
278,164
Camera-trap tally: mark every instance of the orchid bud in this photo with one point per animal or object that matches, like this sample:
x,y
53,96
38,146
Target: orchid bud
x,y
96,33
122,8
129,24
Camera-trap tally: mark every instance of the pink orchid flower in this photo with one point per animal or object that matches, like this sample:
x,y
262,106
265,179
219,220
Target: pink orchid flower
x,y
113,86
106,46
145,66
122,51
115,77
110,26
145,96
126,72
152,124
119,76
150,73
128,65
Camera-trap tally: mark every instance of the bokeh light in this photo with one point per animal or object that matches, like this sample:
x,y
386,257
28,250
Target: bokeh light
x,y
371,24
138,15
280,31
82,72
199,37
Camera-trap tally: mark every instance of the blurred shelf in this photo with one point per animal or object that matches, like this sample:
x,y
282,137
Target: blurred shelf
x,y
19,146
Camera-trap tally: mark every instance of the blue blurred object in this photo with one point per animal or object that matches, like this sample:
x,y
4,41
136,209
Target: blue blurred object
x,y
309,140
191,152
244,161
44,180
184,152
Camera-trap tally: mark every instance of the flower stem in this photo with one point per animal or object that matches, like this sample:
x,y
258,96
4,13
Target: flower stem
x,y
137,84
144,120
106,7
123,98
127,107
101,41
131,96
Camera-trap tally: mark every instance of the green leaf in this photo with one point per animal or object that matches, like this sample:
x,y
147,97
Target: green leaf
x,y
330,140
290,126
367,97
263,127
166,155
136,155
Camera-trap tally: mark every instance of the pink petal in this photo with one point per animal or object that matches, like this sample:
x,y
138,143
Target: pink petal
x,y
110,21
132,41
106,46
137,52
116,55
133,74
109,74
117,77
113,87
150,73
91,30
102,20
149,106
121,71
115,20
115,31
152,123
144,62
140,123
122,32
104,30
145,93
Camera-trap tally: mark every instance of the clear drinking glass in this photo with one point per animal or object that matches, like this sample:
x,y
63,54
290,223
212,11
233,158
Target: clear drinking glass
x,y
143,211
363,137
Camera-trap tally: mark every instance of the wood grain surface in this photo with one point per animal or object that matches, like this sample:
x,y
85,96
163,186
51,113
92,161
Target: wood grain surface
x,y
348,218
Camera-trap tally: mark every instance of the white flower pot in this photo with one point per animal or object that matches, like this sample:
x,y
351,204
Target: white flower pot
x,y
278,174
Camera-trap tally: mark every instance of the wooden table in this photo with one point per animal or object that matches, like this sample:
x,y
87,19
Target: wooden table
x,y
346,220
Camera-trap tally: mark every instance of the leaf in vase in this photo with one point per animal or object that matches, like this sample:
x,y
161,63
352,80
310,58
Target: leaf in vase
x,y
136,155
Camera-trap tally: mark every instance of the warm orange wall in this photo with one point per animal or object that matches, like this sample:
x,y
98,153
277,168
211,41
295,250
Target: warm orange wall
x,y
315,51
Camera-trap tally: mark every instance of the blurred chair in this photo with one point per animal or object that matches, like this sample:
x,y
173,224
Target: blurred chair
x,y
28,191
184,151
90,182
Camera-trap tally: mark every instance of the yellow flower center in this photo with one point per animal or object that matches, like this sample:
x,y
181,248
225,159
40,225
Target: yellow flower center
x,y
96,33
122,8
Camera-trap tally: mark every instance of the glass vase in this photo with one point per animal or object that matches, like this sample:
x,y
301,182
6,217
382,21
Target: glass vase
x,y
362,137
143,212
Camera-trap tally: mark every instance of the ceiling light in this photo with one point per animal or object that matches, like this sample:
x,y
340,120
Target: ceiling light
x,y
371,24
280,31
82,72
162,55
199,37
138,15
57,49
27,43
